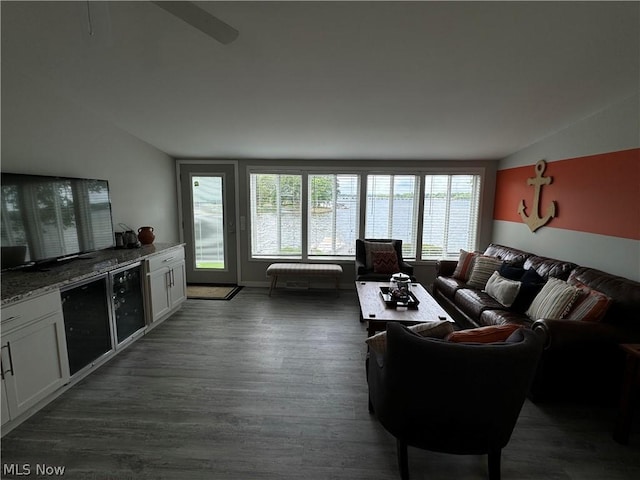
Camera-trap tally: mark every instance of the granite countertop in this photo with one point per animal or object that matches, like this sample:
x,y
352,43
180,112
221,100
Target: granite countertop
x,y
20,284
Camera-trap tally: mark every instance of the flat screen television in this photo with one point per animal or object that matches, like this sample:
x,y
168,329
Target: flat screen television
x,y
47,218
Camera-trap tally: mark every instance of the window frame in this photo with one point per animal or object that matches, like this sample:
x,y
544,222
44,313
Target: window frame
x,y
362,173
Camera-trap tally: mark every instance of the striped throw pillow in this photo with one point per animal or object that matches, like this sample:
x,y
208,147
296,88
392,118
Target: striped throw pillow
x,y
483,268
592,306
465,263
487,334
553,301
378,342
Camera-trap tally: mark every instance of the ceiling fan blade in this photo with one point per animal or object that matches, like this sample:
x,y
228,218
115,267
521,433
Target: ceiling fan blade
x,y
201,19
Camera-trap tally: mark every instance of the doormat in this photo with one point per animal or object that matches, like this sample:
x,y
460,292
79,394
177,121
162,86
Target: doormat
x,y
212,292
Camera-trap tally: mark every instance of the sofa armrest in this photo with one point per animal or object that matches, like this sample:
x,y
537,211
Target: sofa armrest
x,y
445,268
561,334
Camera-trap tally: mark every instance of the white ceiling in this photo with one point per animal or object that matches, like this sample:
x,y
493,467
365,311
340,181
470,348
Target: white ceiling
x,y
369,80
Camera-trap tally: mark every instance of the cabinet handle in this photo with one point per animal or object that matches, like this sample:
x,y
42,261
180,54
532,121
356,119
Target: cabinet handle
x,y
168,259
8,347
173,278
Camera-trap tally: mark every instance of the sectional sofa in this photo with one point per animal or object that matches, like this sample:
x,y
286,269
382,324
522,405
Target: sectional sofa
x,y
583,315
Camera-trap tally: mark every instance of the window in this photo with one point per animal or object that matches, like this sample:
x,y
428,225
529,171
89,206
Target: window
x,y
276,214
450,218
315,215
333,213
392,209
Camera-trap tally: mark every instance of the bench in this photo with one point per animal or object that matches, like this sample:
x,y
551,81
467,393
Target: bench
x,y
304,270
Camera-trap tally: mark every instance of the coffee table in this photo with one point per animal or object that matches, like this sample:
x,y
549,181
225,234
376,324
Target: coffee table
x,y
374,310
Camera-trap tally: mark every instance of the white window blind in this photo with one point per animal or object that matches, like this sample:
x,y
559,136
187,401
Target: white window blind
x,y
450,218
392,209
333,214
276,214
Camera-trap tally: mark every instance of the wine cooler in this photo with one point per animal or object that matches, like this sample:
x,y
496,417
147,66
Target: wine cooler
x,y
127,302
102,314
87,322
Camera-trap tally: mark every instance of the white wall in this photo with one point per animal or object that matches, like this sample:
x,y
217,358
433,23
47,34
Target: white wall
x,y
614,129
46,133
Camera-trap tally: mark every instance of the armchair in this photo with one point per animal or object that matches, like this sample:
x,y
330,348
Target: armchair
x,y
364,268
431,410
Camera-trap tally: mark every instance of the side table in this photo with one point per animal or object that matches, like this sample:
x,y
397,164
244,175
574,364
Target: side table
x,y
631,381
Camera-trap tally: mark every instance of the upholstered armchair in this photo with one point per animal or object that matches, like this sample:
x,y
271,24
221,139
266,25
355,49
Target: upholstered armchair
x,y
366,251
459,398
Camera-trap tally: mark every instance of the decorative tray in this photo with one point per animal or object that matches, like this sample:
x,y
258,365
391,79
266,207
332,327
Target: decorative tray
x,y
390,302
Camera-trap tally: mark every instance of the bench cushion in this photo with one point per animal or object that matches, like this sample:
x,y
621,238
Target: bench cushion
x,y
328,269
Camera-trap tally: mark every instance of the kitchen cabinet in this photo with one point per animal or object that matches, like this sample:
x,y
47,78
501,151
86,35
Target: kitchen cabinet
x,y
166,284
33,353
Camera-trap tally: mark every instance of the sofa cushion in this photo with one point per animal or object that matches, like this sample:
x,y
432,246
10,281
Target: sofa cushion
x,y
490,334
549,267
554,300
464,266
385,262
501,317
502,289
378,342
473,302
448,286
511,256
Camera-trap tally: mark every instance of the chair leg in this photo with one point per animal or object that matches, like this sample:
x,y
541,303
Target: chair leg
x,y
403,459
494,465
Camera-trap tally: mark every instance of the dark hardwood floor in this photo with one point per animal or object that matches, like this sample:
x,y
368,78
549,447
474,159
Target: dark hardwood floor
x,y
274,387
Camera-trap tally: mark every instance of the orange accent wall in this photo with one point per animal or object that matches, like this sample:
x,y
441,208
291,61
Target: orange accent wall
x,y
595,194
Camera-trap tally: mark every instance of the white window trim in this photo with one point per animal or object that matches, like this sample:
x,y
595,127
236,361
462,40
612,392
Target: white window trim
x,y
387,169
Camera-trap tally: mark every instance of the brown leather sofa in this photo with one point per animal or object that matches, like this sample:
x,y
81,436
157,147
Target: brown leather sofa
x,y
581,360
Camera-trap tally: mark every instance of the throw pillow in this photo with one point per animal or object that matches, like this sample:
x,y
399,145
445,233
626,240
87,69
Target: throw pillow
x,y
483,268
465,263
511,272
531,284
378,342
502,289
554,300
370,247
591,306
385,262
489,334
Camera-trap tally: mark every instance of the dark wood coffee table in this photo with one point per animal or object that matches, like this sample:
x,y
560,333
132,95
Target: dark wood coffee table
x,y
373,308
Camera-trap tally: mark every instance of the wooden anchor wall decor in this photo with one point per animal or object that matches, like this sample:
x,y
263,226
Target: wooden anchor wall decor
x,y
534,221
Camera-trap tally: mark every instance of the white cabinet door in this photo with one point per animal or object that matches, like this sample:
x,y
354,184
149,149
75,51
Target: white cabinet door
x,y
166,283
3,402
34,361
178,288
158,285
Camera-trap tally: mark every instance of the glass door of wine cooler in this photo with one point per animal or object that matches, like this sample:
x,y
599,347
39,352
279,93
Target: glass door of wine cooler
x,y
127,301
87,322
